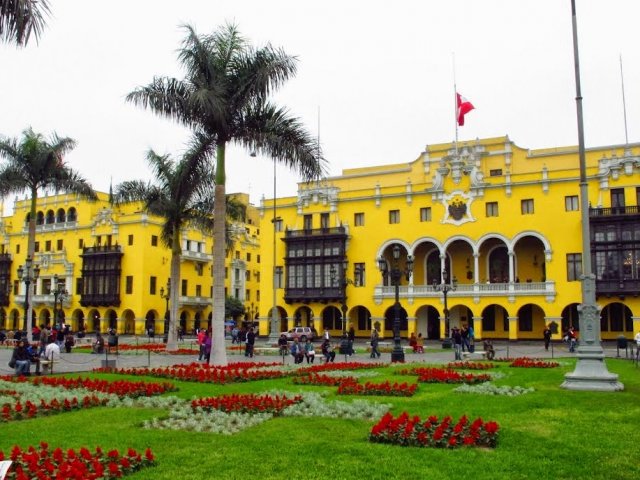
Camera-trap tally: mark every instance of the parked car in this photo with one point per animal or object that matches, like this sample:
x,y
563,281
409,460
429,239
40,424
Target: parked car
x,y
301,333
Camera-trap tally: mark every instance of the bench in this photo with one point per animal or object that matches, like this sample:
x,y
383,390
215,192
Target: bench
x,y
46,366
479,354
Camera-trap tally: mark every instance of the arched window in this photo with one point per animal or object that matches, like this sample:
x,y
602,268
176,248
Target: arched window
x,y
40,218
61,216
72,216
51,217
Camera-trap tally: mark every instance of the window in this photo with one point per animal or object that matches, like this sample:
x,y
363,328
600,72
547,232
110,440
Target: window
x,y
80,244
638,196
36,247
248,256
258,296
237,255
307,222
358,274
154,240
394,216
257,276
496,172
128,286
247,275
46,286
258,258
152,285
278,224
226,273
183,289
324,220
617,200
278,280
16,286
79,286
358,219
491,209
198,290
47,246
571,203
526,206
59,245
199,269
247,295
130,240
574,266
425,214
18,248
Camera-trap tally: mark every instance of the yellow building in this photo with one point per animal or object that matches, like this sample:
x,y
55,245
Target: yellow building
x,y
496,226
114,268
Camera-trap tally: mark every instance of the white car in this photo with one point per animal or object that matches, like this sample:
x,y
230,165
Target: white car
x,y
301,333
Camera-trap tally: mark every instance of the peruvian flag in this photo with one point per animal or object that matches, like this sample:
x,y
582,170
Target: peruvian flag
x,y
464,107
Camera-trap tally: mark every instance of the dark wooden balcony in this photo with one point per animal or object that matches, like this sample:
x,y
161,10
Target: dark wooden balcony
x,y
617,287
613,211
312,295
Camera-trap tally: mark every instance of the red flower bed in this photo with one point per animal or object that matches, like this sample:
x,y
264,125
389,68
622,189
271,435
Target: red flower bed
x,y
28,409
247,403
43,464
532,363
350,386
412,431
122,388
323,367
442,375
471,365
202,373
319,379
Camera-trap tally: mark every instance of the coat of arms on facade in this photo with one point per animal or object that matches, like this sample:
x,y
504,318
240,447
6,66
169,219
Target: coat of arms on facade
x,y
457,208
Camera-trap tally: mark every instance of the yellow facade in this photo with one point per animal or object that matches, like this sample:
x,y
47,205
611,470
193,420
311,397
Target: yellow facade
x,y
68,227
502,220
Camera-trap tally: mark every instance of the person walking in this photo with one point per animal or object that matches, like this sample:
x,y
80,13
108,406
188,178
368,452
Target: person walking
x,y
456,336
351,336
374,343
207,344
249,343
201,336
546,334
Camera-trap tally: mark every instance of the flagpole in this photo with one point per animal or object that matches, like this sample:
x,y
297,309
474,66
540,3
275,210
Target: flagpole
x,y
455,103
624,105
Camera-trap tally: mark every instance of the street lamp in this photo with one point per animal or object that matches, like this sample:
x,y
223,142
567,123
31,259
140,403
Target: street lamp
x,y
58,293
167,314
28,275
395,274
445,287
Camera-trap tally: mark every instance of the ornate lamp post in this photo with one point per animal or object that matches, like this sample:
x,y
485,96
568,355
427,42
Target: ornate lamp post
x,y
395,274
58,293
445,287
167,314
28,275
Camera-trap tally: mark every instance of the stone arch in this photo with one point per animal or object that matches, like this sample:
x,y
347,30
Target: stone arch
x,y
389,318
529,259
495,321
460,316
61,216
197,320
14,319
491,237
387,254
428,322
570,317
185,320
303,317
331,319
360,318
616,319
129,322
112,319
387,245
94,321
531,321
150,326
532,233
45,317
282,319
77,321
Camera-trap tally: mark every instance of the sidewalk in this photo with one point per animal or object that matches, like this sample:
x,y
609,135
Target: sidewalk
x,y
434,354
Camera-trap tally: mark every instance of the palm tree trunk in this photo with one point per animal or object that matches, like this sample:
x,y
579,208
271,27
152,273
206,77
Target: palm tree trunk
x,y
31,246
176,253
218,349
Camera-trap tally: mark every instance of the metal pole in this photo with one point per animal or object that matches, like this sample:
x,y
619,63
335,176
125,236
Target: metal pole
x,y
397,355
591,373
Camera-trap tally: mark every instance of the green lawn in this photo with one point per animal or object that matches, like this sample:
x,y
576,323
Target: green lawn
x,y
550,433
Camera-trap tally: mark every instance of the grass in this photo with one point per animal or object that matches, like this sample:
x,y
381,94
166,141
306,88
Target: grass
x,y
550,433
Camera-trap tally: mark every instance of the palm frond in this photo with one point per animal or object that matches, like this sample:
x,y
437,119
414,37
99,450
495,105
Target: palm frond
x,y
19,19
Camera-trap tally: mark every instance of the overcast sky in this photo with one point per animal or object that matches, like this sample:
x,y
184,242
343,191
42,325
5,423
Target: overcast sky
x,y
375,78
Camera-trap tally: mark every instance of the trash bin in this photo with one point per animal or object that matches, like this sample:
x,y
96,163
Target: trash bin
x,y
447,343
622,344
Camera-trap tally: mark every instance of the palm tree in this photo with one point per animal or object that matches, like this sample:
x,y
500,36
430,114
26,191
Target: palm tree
x,y
20,18
183,196
36,163
225,97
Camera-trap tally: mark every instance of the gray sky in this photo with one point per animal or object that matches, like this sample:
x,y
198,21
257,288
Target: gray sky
x,y
377,74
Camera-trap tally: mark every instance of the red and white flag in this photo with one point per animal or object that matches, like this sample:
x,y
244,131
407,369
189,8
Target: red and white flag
x,y
464,107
